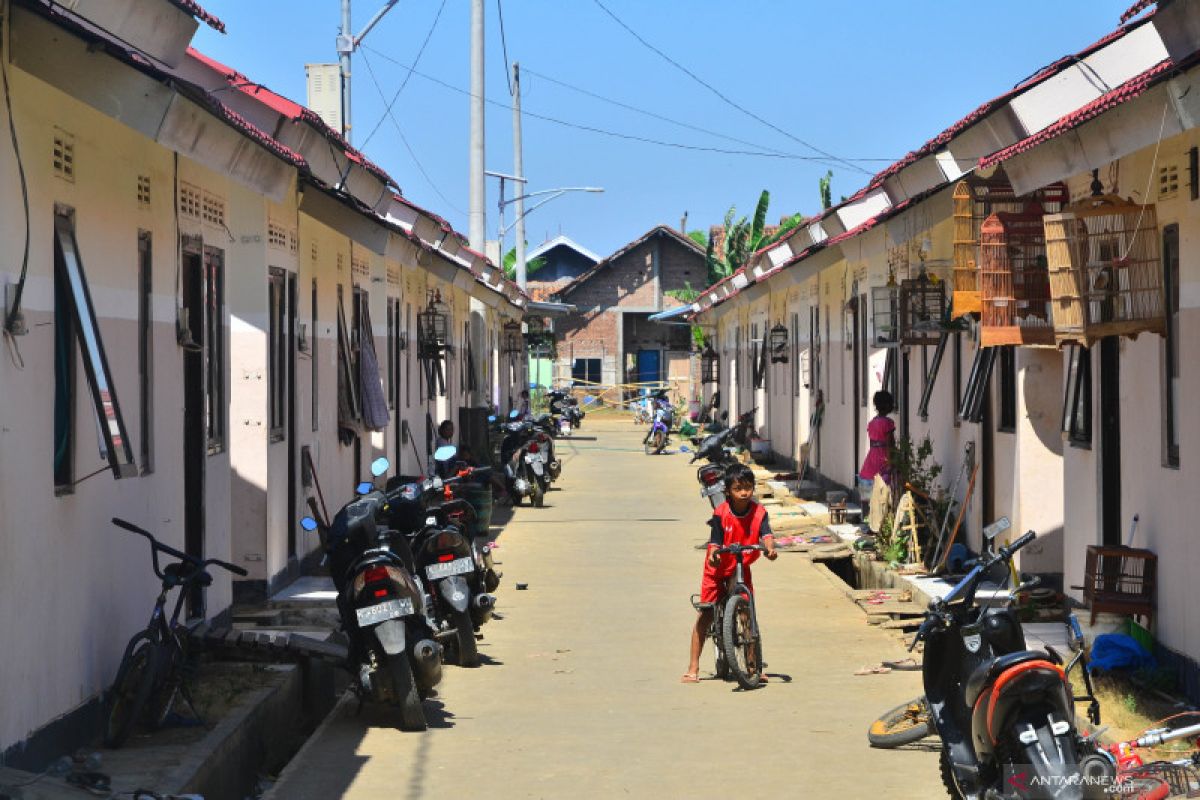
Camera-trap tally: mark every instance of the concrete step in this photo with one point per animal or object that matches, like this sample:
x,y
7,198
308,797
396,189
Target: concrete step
x,y
306,592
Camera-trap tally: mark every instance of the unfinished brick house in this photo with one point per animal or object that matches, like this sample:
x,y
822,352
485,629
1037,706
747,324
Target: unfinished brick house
x,y
610,340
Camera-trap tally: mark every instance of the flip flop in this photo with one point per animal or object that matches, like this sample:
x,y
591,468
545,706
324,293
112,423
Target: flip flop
x,y
904,665
877,670
690,677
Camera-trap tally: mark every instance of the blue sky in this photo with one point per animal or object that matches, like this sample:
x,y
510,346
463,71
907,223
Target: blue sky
x,y
867,80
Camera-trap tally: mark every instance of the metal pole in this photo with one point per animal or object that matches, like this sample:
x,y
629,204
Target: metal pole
x,y
519,169
345,46
477,216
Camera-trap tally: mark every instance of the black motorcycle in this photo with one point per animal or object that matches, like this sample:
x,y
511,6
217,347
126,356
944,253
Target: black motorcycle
x,y
525,458
566,409
393,653
1005,714
718,449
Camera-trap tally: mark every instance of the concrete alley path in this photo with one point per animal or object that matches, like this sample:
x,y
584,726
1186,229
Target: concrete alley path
x,y
581,696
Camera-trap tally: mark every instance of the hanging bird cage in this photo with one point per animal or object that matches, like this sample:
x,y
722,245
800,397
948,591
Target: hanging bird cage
x,y
922,309
777,341
1014,284
974,200
514,343
433,327
710,366
1105,272
535,325
885,314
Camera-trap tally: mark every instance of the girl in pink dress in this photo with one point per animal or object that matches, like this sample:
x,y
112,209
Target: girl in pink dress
x,y
881,432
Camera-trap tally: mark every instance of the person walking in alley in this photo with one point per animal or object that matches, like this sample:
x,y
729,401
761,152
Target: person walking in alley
x,y
881,433
739,520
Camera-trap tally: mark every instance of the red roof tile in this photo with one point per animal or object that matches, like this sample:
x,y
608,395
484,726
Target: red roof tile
x,y
1136,8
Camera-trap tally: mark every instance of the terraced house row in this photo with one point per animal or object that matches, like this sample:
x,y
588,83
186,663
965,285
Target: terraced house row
x,y
1026,283
215,309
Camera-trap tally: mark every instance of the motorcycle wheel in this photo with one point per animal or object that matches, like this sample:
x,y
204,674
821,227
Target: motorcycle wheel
x,y
129,693
537,497
464,636
404,694
948,780
743,651
906,723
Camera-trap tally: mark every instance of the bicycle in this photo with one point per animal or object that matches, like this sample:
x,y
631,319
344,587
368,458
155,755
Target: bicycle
x,y
734,627
152,668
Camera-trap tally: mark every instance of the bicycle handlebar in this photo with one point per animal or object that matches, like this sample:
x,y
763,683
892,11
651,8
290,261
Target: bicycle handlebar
x,y
740,548
156,546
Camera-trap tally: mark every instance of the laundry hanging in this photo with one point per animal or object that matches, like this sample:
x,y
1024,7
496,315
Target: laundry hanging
x,y
375,414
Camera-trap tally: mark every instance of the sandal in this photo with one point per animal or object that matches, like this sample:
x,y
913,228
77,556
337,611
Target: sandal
x,y
876,670
690,677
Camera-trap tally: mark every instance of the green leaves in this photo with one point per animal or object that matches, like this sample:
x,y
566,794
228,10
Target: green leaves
x,y
510,265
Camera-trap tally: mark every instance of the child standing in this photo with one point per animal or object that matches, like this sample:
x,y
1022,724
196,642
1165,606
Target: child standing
x,y
739,520
881,433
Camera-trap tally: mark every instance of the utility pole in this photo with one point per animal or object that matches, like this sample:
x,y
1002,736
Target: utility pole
x,y
345,46
519,169
477,219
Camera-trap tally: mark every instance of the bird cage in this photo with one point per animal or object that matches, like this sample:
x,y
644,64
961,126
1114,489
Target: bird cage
x,y
513,342
433,328
1105,273
1014,284
710,366
966,275
777,341
922,309
1120,580
885,314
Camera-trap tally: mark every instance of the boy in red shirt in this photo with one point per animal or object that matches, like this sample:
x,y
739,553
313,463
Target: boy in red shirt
x,y
739,520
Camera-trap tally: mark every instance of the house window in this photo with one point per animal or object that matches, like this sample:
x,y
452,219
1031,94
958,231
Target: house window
x,y
277,357
314,355
585,370
1077,402
1008,390
145,351
1171,388
76,323
214,341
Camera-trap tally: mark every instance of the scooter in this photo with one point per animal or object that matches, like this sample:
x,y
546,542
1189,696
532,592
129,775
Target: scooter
x,y
717,449
393,653
1005,714
659,435
525,463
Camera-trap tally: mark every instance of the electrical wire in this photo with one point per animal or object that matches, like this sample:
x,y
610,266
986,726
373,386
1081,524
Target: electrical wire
x,y
15,311
404,139
388,109
664,118
604,131
504,47
727,100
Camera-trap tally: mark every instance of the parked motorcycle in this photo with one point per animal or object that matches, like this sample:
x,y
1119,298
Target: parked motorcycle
x,y
1005,714
451,562
392,650
659,435
566,407
718,450
525,462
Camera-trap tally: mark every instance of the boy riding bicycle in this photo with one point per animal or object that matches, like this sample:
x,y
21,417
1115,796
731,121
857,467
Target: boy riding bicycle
x,y
739,520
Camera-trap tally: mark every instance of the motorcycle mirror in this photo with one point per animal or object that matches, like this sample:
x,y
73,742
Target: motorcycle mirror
x,y
380,466
514,414
364,488
491,418
996,528
685,449
445,452
308,523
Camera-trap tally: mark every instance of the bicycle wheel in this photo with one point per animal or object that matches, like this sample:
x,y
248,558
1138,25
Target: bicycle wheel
x,y
904,724
130,691
742,648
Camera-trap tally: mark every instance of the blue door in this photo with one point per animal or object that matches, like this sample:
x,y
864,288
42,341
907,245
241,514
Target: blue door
x,y
647,366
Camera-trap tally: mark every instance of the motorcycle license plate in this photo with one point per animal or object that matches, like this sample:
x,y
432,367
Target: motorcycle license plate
x,y
390,609
459,566
536,463
709,491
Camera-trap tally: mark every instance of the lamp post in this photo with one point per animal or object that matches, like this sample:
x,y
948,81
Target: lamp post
x,y
347,43
546,194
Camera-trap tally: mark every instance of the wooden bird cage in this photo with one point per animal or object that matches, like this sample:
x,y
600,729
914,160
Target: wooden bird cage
x,y
885,315
777,341
974,200
514,342
1120,580
1014,284
1106,276
922,310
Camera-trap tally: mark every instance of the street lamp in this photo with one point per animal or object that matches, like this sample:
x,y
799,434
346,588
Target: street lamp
x,y
546,194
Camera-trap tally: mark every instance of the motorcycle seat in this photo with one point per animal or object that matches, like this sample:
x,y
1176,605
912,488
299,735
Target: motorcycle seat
x,y
986,674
